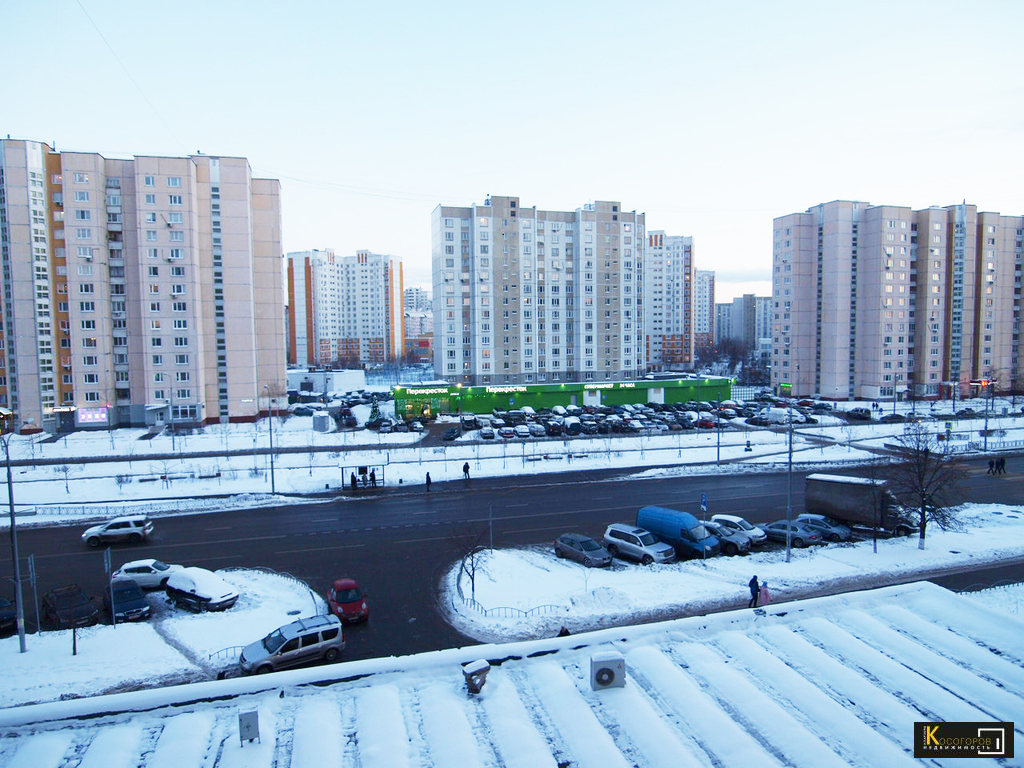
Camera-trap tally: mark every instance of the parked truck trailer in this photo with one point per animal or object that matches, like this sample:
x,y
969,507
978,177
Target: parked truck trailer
x,y
860,502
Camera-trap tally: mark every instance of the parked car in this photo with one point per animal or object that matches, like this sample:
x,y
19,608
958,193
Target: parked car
x,y
893,418
148,574
582,549
831,530
732,541
507,432
125,601
302,410
451,433
859,414
800,535
756,535
416,426
67,607
487,433
522,431
134,529
8,616
537,430
198,589
624,540
347,601
318,638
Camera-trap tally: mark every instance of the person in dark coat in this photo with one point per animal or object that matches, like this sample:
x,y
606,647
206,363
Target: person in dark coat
x,y
755,592
1001,465
991,467
373,477
465,470
428,481
353,481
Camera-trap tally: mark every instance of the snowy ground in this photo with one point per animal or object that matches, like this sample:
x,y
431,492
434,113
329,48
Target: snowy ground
x,y
177,646
47,494
833,681
813,689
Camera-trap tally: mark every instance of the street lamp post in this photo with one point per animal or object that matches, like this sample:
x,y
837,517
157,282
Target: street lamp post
x,y
273,488
789,487
6,422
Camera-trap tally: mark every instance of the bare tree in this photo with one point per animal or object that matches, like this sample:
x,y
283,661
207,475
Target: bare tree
x,y
926,478
470,546
65,470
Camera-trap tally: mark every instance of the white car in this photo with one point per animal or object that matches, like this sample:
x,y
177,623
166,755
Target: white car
x,y
198,589
148,574
757,535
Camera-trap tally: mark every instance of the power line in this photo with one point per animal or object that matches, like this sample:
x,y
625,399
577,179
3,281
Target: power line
x,y
129,74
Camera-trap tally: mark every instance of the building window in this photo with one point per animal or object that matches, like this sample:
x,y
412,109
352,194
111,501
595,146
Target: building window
x,y
149,181
174,199
174,181
150,199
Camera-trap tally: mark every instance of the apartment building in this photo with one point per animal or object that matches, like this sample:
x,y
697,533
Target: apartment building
x,y
418,300
668,269
746,319
137,291
523,295
344,310
882,302
704,309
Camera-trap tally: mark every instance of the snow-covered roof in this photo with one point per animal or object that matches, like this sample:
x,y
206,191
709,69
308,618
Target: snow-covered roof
x,y
832,681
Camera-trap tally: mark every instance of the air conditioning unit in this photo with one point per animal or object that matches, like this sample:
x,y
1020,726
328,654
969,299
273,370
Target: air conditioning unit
x,y
607,670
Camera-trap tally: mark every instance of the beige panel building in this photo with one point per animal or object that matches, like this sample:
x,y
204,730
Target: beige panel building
x,y
527,296
669,296
143,291
883,302
345,310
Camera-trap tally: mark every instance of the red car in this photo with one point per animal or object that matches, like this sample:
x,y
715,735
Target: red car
x,y
347,601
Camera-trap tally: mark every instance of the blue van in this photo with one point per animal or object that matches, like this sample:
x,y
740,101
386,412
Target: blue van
x,y
682,530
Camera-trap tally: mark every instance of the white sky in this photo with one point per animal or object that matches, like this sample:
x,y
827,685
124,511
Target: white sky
x,y
712,119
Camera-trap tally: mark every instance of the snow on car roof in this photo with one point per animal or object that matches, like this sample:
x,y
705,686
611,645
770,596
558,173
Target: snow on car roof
x,y
830,681
204,581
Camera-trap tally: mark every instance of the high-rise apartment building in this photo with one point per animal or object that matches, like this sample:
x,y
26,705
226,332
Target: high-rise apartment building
x,y
137,292
668,301
745,319
417,300
526,296
344,310
704,309
882,302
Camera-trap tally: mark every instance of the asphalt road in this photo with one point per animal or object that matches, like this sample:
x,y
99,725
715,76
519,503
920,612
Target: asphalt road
x,y
398,543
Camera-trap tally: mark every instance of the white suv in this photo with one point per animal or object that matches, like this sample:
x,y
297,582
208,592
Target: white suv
x,y
623,540
134,529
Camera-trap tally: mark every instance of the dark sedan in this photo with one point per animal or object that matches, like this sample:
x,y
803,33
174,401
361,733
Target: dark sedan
x,y
125,601
582,549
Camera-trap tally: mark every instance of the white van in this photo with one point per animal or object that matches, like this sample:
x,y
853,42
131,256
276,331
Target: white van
x,y
781,415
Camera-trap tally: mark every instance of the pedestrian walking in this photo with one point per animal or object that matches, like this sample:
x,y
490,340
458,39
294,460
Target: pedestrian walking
x,y
465,470
353,482
1000,465
428,481
755,592
764,596
991,467
373,477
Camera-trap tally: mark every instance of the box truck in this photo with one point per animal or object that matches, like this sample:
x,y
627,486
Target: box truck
x,y
859,502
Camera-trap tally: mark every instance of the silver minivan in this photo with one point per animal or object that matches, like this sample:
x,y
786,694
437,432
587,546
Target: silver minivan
x,y
623,540
319,638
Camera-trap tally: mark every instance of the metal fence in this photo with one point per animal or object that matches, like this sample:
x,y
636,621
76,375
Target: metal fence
x,y
504,612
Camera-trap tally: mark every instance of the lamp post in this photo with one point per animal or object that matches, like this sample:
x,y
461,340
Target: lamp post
x,y
6,424
273,488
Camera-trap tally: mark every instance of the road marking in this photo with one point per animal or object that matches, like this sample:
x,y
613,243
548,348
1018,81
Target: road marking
x,y
428,512
418,541
221,528
318,549
534,530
